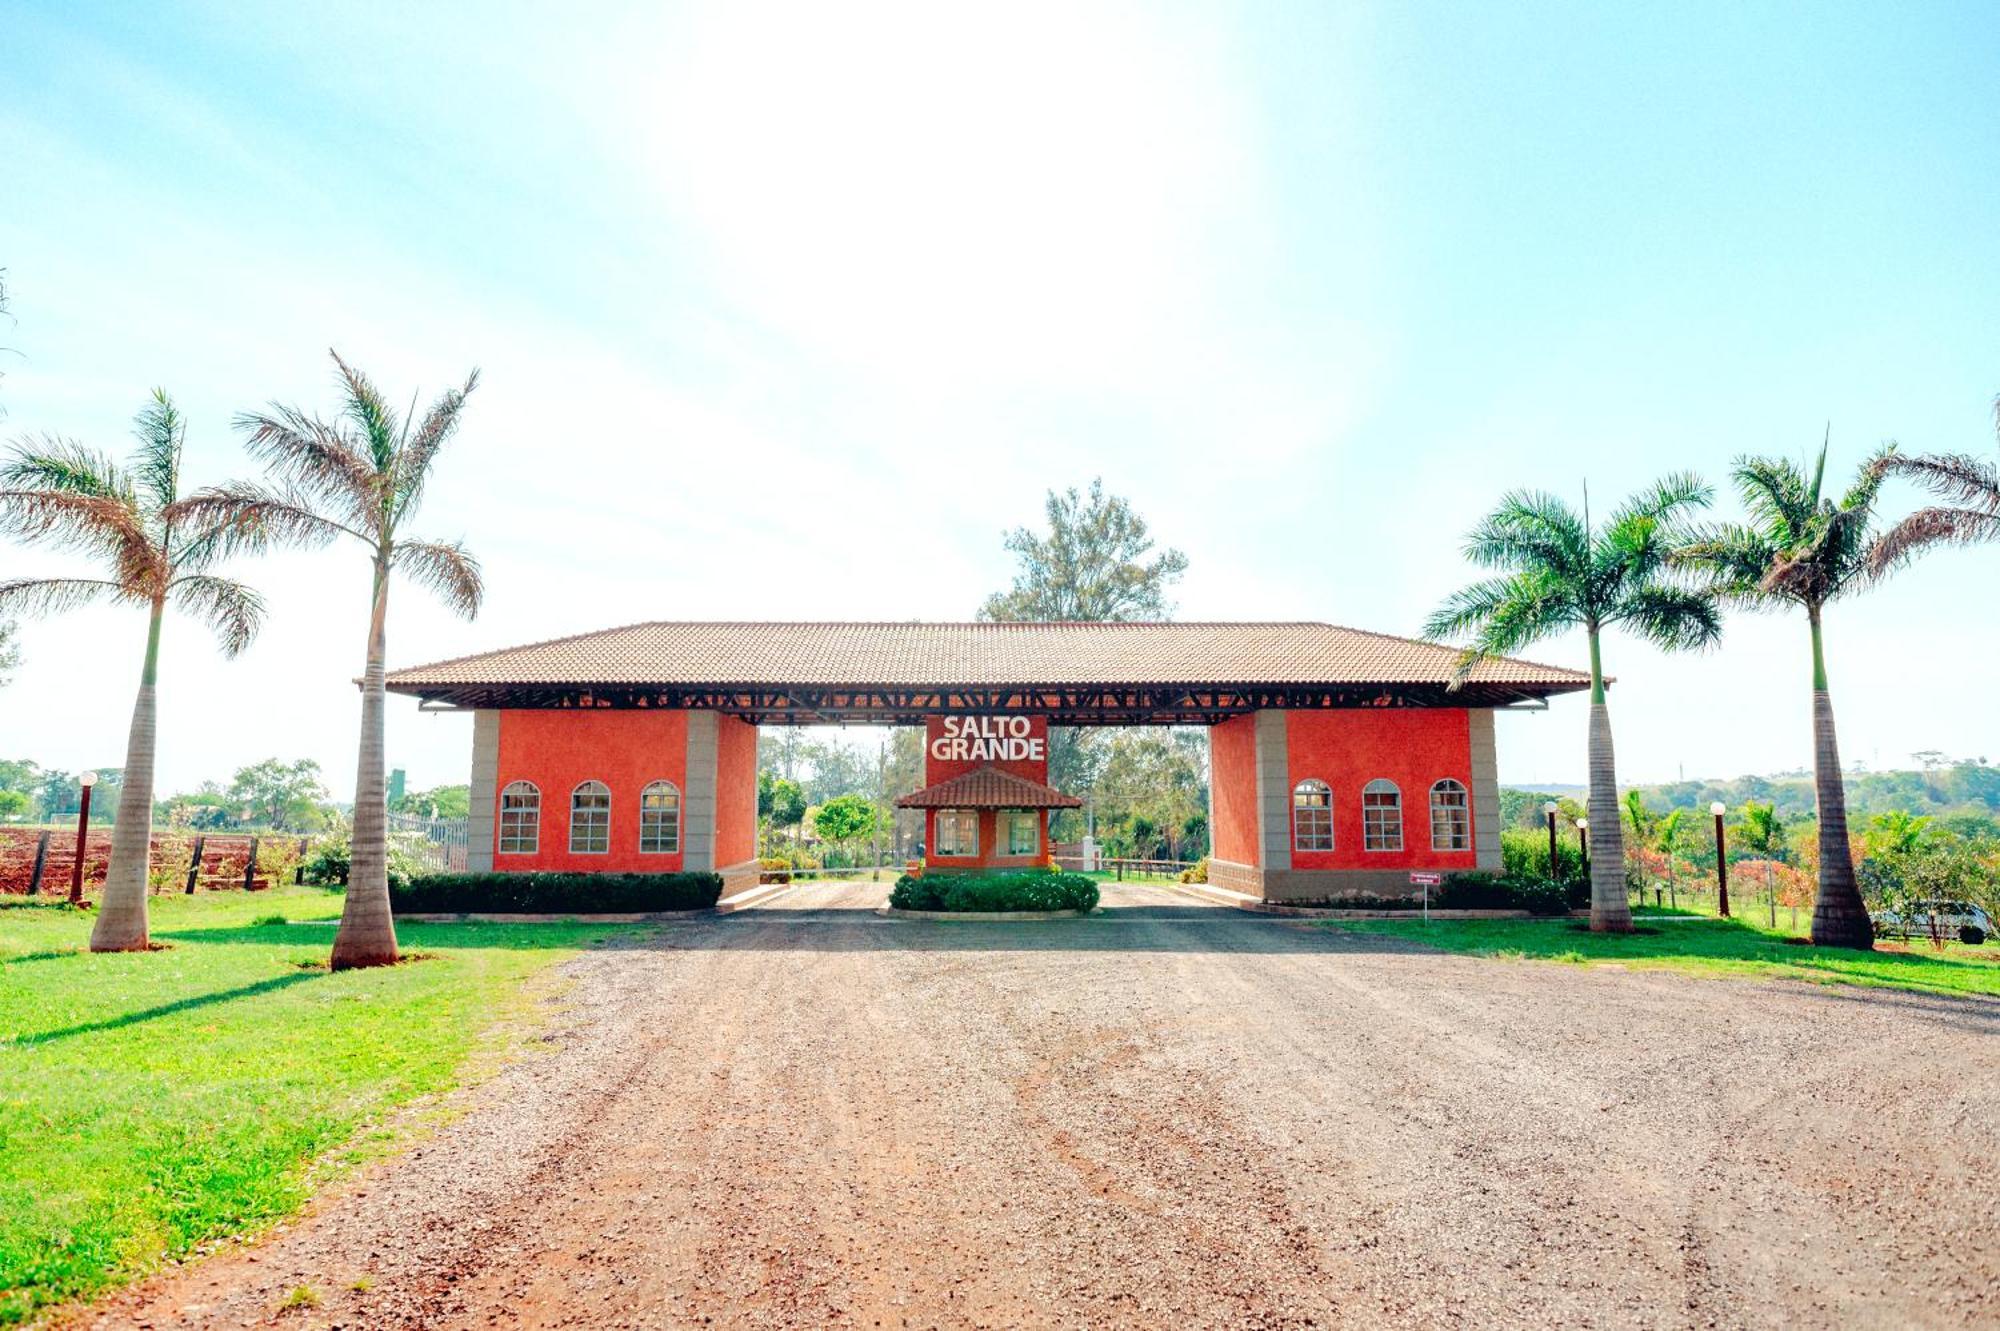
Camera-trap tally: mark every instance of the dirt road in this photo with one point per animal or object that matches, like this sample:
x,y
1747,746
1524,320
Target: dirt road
x,y
1171,1115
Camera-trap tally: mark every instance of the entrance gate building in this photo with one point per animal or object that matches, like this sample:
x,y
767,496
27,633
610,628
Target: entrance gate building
x,y
1341,761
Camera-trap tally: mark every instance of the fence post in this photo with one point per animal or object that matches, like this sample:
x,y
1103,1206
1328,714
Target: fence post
x,y
194,864
41,862
250,865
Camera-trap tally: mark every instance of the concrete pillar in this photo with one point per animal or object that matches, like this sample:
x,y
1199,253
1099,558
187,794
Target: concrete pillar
x,y
1485,790
485,792
1274,794
698,800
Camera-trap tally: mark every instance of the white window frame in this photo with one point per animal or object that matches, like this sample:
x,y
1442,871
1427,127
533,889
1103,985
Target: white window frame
x,y
966,851
1450,798
653,822
1321,837
1375,826
584,788
527,815
1012,819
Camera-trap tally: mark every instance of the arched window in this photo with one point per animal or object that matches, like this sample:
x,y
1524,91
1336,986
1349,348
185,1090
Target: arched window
x,y
590,819
1451,817
1312,816
520,819
1381,816
659,819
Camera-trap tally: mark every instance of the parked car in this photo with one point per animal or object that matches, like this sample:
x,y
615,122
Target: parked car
x,y
1969,922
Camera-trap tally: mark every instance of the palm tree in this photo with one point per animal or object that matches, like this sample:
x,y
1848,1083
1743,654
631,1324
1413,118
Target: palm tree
x,y
361,476
1562,573
1802,548
154,554
1970,514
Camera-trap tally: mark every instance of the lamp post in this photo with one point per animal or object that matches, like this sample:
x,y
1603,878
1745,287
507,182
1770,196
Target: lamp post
x,y
1550,809
87,780
1583,844
1721,862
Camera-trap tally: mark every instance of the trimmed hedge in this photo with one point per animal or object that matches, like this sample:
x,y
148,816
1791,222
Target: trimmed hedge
x,y
554,893
1035,890
1471,891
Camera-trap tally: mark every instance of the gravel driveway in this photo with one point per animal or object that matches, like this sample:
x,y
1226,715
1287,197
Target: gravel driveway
x,y
1171,1115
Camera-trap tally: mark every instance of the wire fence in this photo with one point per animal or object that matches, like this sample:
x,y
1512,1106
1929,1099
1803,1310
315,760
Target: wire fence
x,y
440,843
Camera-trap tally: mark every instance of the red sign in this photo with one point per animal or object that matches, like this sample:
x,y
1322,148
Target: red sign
x,y
1426,879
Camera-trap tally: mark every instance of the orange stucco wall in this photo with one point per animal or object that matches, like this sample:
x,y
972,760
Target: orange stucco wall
x,y
735,791
1232,782
989,856
559,750
1413,747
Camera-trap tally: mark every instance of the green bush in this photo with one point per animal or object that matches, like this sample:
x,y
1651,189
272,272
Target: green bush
x,y
1197,872
995,892
554,893
1524,853
1506,891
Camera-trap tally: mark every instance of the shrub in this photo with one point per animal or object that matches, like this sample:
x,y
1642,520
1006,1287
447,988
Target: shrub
x,y
1197,872
1524,853
994,892
554,893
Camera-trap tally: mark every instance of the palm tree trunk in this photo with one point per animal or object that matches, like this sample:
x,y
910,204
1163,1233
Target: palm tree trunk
x,y
367,934
121,916
1609,910
1840,917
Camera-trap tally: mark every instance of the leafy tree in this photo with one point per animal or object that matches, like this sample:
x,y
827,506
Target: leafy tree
x,y
1643,820
780,800
1969,515
15,805
1804,548
154,553
282,796
1095,564
1762,832
1559,572
361,477
845,818
10,653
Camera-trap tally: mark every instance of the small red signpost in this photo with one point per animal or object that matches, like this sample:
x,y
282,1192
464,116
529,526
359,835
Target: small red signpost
x,y
1426,879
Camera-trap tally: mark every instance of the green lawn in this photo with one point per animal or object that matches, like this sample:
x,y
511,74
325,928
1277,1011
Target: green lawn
x,y
152,1102
1706,945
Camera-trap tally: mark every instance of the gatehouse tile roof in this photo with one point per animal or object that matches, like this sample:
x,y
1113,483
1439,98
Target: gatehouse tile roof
x,y
917,654
988,788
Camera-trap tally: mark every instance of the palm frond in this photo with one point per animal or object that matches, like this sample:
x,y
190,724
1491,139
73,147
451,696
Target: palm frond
x,y
1727,560
1503,615
1669,499
440,423
1956,478
243,516
367,408
232,611
1929,527
1777,495
447,568
55,596
162,433
1530,529
315,458
109,528
50,462
1676,618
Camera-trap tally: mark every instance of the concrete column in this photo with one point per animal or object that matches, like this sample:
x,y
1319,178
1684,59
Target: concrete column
x,y
698,800
485,791
1274,793
1485,790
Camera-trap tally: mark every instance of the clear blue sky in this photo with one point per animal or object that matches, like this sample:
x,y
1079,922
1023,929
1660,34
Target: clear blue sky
x,y
789,312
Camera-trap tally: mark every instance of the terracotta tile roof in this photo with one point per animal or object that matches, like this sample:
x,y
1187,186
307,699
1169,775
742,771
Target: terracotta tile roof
x,y
813,654
989,788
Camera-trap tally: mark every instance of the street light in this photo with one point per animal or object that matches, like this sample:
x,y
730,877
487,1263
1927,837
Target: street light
x,y
1583,844
1721,861
87,780
1550,809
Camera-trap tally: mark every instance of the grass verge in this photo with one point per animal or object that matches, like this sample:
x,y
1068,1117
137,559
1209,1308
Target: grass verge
x,y
1705,945
151,1103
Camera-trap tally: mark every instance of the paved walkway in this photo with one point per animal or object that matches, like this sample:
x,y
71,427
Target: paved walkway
x,y
1168,1115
